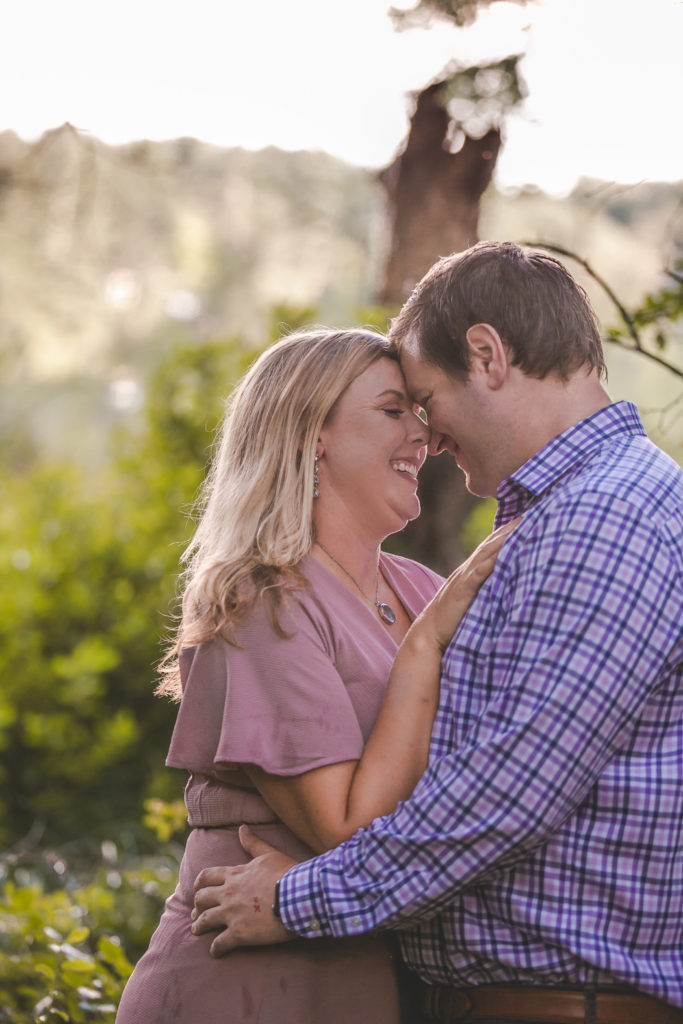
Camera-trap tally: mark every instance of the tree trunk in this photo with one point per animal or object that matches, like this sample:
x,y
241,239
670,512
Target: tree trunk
x,y
433,194
434,198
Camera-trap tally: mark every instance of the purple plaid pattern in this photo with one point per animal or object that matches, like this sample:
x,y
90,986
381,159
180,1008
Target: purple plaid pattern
x,y
544,844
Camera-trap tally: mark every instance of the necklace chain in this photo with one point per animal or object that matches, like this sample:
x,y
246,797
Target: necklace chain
x,y
352,578
385,611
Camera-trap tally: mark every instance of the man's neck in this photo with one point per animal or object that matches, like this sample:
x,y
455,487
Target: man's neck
x,y
546,408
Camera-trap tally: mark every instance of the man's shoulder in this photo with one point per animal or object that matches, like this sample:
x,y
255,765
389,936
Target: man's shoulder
x,y
633,472
627,497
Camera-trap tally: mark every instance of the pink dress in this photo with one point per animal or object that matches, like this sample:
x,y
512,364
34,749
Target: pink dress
x,y
286,705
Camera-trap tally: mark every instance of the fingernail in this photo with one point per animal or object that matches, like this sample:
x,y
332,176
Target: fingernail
x,y
193,915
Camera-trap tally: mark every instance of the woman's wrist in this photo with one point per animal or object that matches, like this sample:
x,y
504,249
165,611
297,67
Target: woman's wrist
x,y
421,641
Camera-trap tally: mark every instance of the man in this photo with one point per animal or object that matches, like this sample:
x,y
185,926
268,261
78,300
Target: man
x,y
537,871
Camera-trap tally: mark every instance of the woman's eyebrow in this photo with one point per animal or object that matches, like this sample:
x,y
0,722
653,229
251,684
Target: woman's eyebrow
x,y
392,392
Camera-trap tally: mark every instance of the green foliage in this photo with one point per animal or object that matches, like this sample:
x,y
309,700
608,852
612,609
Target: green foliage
x,y
184,404
477,525
376,317
87,570
166,819
66,942
656,316
79,595
50,970
653,326
286,318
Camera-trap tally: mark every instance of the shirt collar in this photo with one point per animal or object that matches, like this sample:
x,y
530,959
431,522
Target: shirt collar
x,y
565,452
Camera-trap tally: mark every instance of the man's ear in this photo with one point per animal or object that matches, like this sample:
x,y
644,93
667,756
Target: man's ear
x,y
488,354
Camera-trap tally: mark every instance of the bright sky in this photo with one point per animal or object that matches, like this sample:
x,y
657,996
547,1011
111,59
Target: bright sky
x,y
605,77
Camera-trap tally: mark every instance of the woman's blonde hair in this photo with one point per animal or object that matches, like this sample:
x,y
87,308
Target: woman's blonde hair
x,y
256,506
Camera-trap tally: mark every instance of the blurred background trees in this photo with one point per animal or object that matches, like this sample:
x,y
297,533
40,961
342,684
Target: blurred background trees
x,y
89,560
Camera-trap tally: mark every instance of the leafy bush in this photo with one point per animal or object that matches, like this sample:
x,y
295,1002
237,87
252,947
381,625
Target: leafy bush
x,y
87,577
72,925
87,568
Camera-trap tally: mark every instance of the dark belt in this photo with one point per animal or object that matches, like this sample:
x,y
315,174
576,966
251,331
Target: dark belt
x,y
545,1005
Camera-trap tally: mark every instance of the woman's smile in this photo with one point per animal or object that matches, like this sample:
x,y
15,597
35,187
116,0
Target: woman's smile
x,y
372,426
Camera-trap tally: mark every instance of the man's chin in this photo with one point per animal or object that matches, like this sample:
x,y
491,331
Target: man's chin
x,y
477,487
474,486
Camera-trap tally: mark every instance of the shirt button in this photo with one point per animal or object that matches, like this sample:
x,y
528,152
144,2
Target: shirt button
x,y
314,923
355,921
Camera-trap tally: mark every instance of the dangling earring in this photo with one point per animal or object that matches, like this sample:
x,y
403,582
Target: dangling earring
x,y
316,478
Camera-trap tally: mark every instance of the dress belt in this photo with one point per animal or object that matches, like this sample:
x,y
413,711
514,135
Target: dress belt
x,y
544,1005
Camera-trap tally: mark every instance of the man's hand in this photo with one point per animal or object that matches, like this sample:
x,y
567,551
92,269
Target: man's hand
x,y
239,900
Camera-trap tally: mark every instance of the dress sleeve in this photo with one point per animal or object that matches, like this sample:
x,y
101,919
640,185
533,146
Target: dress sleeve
x,y
276,702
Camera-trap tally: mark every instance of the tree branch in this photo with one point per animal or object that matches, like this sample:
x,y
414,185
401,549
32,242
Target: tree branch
x,y
623,312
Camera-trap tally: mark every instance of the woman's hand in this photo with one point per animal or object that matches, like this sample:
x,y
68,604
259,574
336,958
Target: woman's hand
x,y
439,620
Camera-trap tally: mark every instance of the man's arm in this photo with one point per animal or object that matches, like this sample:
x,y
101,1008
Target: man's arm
x,y
589,626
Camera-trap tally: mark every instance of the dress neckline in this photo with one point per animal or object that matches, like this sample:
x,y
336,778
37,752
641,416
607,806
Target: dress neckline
x,y
394,579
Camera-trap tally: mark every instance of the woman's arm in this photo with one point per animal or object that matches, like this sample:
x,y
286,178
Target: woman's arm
x,y
327,805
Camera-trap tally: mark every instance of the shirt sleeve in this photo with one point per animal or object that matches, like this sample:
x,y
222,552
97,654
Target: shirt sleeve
x,y
273,701
587,604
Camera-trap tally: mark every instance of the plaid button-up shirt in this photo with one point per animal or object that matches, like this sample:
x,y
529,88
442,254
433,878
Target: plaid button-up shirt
x,y
544,843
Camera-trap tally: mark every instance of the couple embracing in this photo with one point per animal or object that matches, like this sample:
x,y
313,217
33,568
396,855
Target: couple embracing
x,y
486,772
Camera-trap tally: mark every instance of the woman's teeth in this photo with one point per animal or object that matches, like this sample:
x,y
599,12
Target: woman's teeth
x,y
405,467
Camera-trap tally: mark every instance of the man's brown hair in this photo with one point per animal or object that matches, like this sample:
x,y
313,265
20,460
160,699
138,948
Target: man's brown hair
x,y
541,313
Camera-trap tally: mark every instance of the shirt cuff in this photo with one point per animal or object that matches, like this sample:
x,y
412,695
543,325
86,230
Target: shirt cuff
x,y
302,908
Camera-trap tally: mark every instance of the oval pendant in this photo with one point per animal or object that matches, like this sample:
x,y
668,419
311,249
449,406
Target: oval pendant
x,y
386,613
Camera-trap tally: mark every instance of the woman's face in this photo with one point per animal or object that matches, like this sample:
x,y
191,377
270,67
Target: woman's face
x,y
371,449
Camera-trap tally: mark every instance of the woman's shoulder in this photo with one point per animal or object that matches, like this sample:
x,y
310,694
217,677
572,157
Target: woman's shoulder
x,y
415,572
267,624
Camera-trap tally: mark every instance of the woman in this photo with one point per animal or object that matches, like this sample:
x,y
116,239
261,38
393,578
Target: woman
x,y
291,620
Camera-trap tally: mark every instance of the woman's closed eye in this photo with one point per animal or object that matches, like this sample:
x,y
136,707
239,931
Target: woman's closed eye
x,y
394,412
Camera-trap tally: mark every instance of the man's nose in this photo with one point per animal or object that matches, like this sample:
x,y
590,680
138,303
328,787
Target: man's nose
x,y
436,442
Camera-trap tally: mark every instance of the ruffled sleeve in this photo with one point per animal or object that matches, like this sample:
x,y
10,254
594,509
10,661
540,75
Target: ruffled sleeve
x,y
275,702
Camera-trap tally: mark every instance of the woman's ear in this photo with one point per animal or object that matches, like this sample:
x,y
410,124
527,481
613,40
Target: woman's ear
x,y
319,448
488,354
